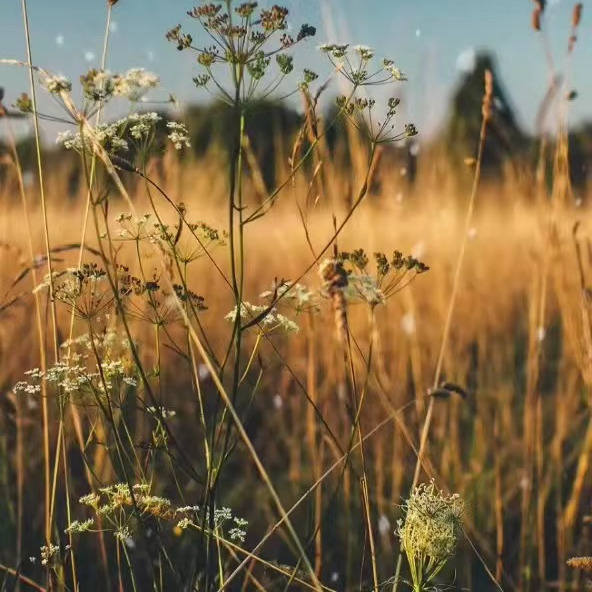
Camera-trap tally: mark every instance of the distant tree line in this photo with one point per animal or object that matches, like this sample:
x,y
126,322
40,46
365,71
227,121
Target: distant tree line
x,y
273,126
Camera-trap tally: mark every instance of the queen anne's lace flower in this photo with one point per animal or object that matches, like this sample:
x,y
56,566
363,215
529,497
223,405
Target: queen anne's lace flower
x,y
273,320
430,531
134,84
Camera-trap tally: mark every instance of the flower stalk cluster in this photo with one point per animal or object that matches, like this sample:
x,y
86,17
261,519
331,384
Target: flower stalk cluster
x,y
429,532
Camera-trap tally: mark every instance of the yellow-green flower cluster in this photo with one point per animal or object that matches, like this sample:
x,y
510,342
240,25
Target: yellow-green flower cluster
x,y
432,524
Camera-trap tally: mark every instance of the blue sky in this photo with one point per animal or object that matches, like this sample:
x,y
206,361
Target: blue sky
x,y
431,40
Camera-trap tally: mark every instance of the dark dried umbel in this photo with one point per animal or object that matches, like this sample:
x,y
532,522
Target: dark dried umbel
x,y
360,112
188,241
186,295
84,290
390,275
249,39
147,300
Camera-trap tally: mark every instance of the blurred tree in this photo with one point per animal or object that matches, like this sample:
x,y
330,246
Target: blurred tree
x,y
505,139
267,124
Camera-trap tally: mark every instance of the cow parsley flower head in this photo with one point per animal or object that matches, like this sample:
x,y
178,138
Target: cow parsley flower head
x,y
57,84
432,523
365,52
134,84
178,135
430,530
77,526
268,319
139,125
50,554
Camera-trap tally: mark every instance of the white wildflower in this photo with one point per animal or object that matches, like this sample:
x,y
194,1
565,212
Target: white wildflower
x,y
178,134
184,523
49,553
77,526
140,125
123,534
364,287
90,499
272,320
135,83
366,53
57,84
395,73
161,412
430,530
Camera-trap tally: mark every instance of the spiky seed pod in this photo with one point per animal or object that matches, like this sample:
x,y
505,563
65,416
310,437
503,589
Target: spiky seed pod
x,y
536,19
583,563
335,281
576,15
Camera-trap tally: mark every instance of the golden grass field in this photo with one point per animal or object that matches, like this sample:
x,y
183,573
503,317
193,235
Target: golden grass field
x,y
518,446
150,440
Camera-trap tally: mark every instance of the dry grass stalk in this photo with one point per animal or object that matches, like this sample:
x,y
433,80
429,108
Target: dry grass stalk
x,y
583,563
334,279
536,19
576,18
577,15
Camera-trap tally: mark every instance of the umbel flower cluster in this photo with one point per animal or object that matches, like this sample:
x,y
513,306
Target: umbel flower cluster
x,y
347,278
429,531
254,42
100,87
114,504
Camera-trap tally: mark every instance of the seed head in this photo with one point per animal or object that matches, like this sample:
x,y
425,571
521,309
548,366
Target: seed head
x,y
576,15
335,282
488,95
583,563
536,18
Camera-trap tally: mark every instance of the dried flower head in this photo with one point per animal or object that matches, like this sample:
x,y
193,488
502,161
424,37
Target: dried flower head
x,y
247,38
487,95
576,15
